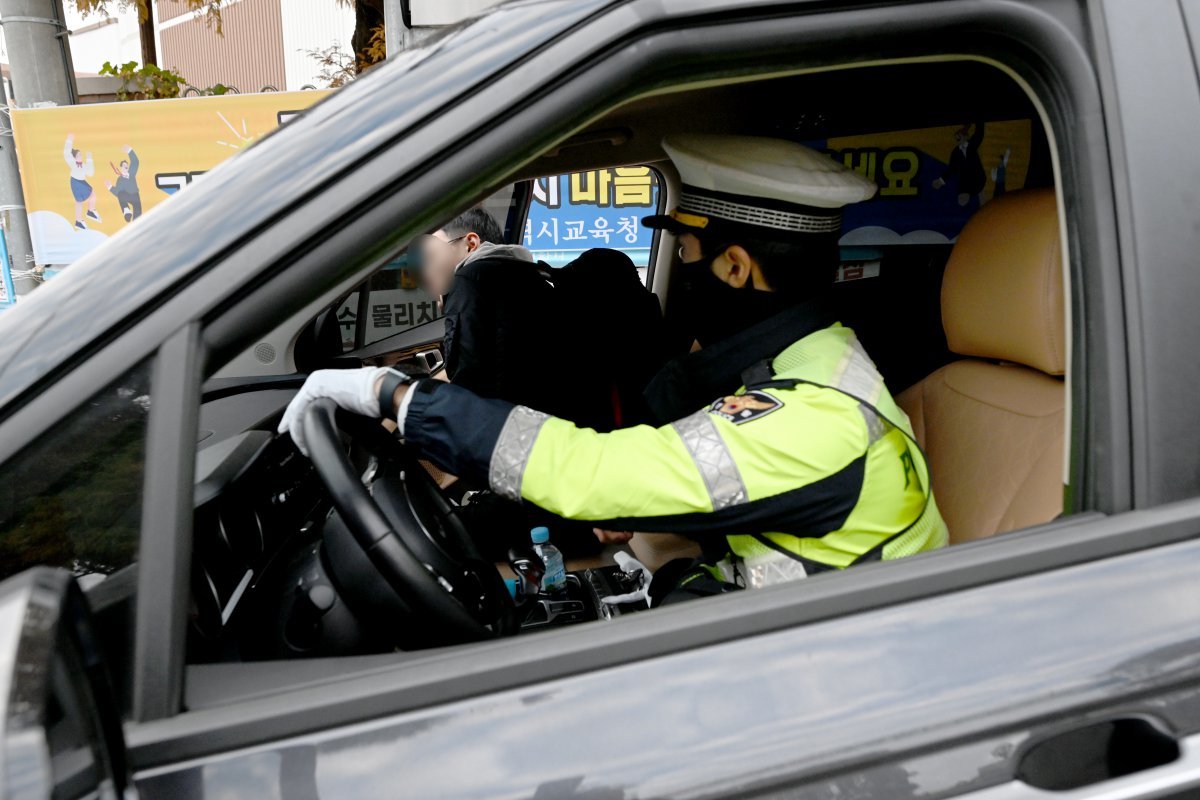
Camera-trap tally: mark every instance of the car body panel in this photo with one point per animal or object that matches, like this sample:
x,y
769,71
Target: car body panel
x,y
1159,237
785,708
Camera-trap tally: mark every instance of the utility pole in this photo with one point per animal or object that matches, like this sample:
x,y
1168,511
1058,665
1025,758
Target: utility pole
x,y
39,55
40,72
12,206
399,32
393,26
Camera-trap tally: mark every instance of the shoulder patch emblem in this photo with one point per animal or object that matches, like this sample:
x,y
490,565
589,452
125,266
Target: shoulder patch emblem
x,y
739,408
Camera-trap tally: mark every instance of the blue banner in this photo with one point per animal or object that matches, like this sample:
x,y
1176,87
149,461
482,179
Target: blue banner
x,y
598,208
8,295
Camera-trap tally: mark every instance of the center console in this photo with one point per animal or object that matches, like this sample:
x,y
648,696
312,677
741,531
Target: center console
x,y
581,601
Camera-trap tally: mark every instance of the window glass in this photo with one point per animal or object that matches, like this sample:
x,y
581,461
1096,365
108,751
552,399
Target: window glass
x,y
397,300
895,246
931,180
73,498
597,208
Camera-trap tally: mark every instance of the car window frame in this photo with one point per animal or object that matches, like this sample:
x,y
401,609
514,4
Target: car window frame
x,y
1076,539
164,562
1157,232
156,641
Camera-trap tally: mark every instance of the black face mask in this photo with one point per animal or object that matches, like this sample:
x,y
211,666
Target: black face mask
x,y
709,310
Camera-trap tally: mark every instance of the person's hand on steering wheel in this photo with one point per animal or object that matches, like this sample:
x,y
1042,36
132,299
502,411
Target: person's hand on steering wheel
x,y
356,390
402,551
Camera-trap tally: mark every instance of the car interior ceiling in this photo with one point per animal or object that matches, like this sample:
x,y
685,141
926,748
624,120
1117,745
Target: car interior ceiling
x,y
799,107
819,106
808,107
811,107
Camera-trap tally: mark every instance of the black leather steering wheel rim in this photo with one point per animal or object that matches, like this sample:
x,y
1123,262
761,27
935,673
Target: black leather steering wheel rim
x,y
378,538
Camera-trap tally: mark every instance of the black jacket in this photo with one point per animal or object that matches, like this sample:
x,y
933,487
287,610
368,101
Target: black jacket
x,y
500,331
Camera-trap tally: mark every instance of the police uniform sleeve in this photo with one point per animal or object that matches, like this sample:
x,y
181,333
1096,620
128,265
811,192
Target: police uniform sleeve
x,y
577,473
800,470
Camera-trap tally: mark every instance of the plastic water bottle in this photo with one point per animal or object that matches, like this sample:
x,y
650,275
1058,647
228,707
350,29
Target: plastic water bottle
x,y
554,581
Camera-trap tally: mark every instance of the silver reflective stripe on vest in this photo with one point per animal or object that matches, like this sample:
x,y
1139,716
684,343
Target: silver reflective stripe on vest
x,y
856,375
712,459
877,426
772,570
758,572
512,451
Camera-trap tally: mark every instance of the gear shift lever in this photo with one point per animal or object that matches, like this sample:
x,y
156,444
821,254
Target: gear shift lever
x,y
529,568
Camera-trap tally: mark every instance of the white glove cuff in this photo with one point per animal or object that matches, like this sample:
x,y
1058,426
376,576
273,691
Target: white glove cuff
x,y
369,398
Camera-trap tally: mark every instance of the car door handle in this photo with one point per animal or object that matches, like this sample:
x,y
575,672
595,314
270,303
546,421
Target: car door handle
x,y
1165,781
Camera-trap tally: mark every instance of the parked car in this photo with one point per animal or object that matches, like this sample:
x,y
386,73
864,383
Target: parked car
x,y
190,613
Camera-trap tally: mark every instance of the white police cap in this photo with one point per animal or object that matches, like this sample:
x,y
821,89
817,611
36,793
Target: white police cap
x,y
757,185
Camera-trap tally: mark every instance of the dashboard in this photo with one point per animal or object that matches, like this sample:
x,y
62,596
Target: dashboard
x,y
256,501
261,585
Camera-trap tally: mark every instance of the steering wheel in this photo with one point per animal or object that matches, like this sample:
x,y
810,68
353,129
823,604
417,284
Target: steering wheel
x,y
399,553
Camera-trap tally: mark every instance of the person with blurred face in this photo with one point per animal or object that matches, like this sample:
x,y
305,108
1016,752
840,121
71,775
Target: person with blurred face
x,y
444,250
495,298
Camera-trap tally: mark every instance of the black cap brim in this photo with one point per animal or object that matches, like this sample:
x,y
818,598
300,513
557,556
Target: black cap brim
x,y
668,223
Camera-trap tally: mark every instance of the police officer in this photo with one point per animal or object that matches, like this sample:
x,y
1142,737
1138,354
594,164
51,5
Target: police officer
x,y
784,452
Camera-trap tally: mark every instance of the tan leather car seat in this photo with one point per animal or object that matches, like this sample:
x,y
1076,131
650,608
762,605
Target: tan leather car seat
x,y
992,423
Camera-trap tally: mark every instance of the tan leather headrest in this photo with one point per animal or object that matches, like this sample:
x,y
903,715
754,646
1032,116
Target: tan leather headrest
x,y
1002,295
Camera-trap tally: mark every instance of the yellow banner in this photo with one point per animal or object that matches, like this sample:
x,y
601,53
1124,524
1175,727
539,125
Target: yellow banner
x,y
89,171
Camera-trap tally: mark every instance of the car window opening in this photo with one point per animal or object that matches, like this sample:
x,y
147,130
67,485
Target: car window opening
x,y
950,277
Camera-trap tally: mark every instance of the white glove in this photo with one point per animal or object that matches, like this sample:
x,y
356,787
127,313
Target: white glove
x,y
351,389
629,564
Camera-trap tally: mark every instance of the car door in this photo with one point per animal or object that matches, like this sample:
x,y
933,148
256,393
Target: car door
x,y
938,676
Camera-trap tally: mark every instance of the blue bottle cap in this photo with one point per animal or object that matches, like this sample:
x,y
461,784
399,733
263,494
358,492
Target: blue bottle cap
x,y
540,535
